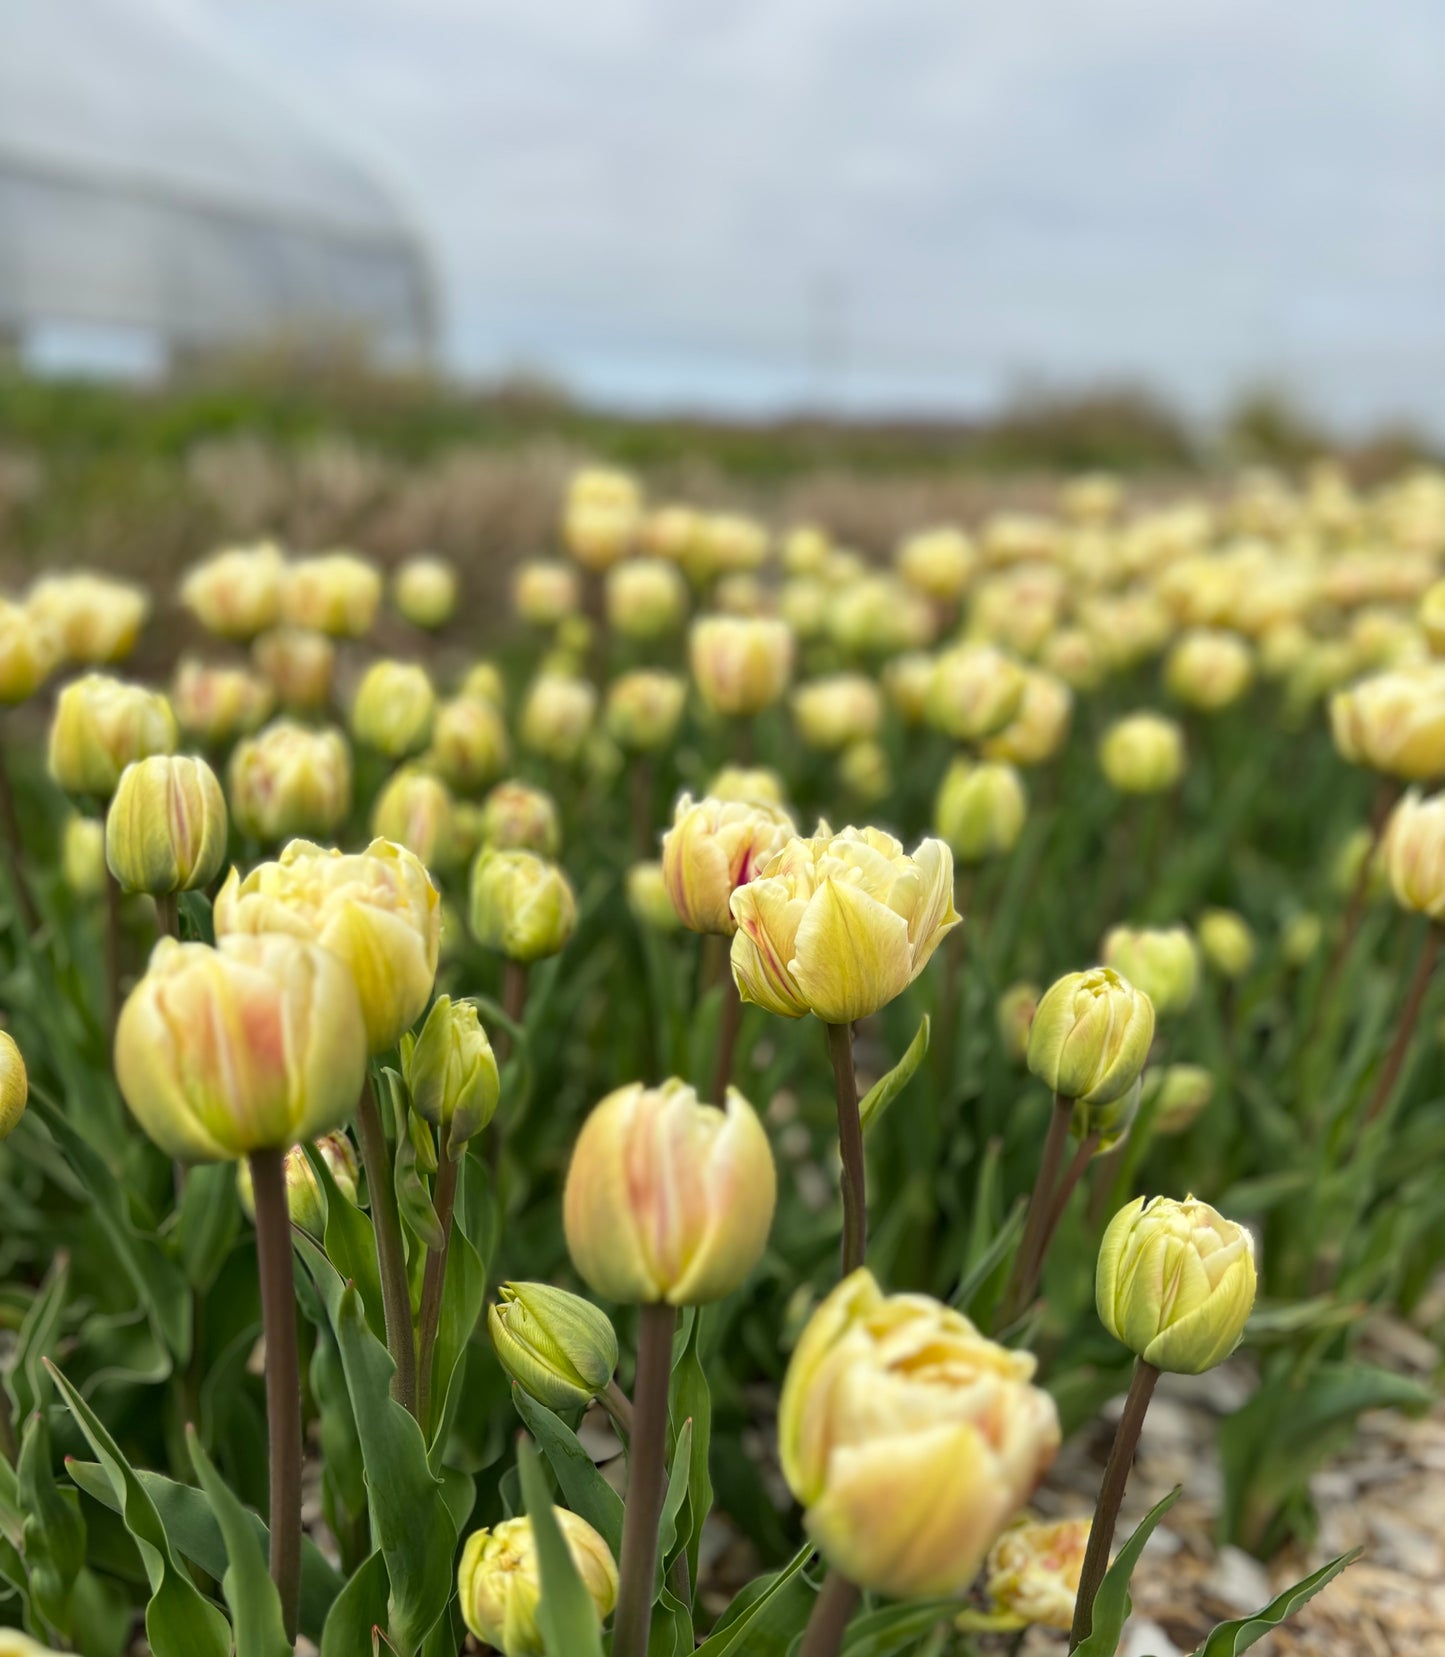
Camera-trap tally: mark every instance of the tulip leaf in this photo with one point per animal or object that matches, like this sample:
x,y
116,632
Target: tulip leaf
x,y
1112,1604
999,1249
343,1472
587,1493
179,1620
54,1532
764,1616
692,1400
350,1243
210,1217
881,1633
887,1088
1228,1639
412,1196
250,1593
27,1383
358,1610
676,1491
566,1615
464,1291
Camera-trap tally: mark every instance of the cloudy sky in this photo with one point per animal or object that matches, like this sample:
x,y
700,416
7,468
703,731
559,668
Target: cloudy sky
x,y
907,204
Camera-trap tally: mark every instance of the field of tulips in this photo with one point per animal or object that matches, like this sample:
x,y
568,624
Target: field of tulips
x,y
650,1139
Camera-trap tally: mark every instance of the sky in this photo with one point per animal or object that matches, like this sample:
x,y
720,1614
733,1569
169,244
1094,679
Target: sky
x,y
906,205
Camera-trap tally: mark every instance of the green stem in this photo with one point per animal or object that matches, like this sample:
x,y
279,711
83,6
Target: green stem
x,y
15,845
444,1197
1080,1160
646,1476
727,1040
390,1255
619,1407
168,920
850,1144
1029,1260
1409,1018
832,1609
112,952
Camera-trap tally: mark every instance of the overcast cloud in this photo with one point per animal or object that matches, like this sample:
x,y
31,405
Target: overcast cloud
x,y
908,203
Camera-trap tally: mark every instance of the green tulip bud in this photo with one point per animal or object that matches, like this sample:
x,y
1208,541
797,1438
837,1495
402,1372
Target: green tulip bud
x,y
560,1349
1227,942
1091,1035
451,1072
1161,961
522,905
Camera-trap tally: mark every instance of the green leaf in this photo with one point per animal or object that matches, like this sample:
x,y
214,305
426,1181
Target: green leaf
x,y
54,1533
999,1249
210,1217
27,1382
350,1243
587,1493
769,1619
412,1196
691,1400
1228,1639
180,1621
1112,1604
566,1615
464,1291
881,1633
359,1609
887,1088
676,1492
246,1583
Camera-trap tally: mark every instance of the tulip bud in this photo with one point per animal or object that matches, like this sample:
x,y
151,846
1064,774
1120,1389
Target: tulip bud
x,y
980,809
648,900
415,810
1143,753
864,772
544,592
712,848
602,517
517,817
560,1349
166,827
254,1045
1072,654
290,779
1040,728
451,1072
668,1199
1091,1035
1209,669
236,594
1161,961
217,704
82,855
499,1581
1227,942
335,593
938,562
1432,618
376,910
521,905
754,784
646,599
14,1084
910,1439
1300,939
803,603
394,708
469,743
1414,854
101,725
673,532
1107,1122
298,665
878,615
94,620
483,682
1175,1283
557,716
908,684
840,924
303,1190
976,691
830,713
732,544
1014,1016
424,591
29,653
805,549
1394,722
1033,1572
741,664
1181,1093
644,709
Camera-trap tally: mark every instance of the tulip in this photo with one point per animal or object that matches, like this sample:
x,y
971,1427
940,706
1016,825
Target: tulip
x,y
96,621
908,685
304,1199
646,599
376,910
980,809
557,716
1072,654
938,562
256,1044
1091,1035
976,691
1301,937
910,1439
166,828
101,725
335,593
667,1199
1181,1093
878,615
1394,722
217,704
560,1349
415,810
712,848
290,779
544,592
755,784
469,744
236,594
804,603
648,899
518,817
14,1084
499,1581
1413,850
1161,961
1227,942
424,591
830,713
731,545
1039,729
521,905
805,549
741,664
839,924
1014,1016
82,855
864,771
1032,1574
1432,618
483,682
29,652
451,1073
602,517
644,709
673,532
394,707
1209,669
1142,753
299,665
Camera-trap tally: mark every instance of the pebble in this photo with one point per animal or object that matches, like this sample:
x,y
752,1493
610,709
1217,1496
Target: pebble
x,y
1239,1580
1143,1638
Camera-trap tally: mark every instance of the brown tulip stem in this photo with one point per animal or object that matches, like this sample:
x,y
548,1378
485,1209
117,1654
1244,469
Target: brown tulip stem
x,y
112,951
1029,1261
15,846
168,919
444,1197
1080,1160
646,1476
832,1609
619,1407
1111,1496
283,1377
850,1145
390,1255
727,1039
639,781
1409,1018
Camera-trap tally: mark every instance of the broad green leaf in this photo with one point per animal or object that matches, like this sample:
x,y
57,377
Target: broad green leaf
x,y
1112,1604
675,1494
765,1626
246,1583
1000,1249
343,1472
54,1535
585,1490
179,1620
350,1243
27,1382
210,1217
1228,1639
691,1400
464,1291
412,1196
895,1627
887,1088
566,1615
359,1608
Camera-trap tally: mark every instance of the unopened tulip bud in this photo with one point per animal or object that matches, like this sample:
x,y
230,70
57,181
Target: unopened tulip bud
x,y
740,595
803,602
648,900
1040,728
484,682
1432,618
755,784
673,532
980,809
394,707
1209,669
1032,1574
469,743
741,664
518,817
95,620
729,544
560,1349
14,1084
253,1045
1414,854
236,594
602,517
165,830
712,848
424,591
938,562
1143,753
1394,722
864,771
644,709
976,691
1091,1035
805,549
1227,942
451,1072
668,1199
545,592
29,653
499,1581
1301,937
290,779
1161,961
82,855
299,665
101,725
830,713
304,1201
1014,1017
521,905
415,810
1107,1123
557,716
908,684
1181,1093
217,704
1072,654
646,599
910,1438
1175,1283
335,593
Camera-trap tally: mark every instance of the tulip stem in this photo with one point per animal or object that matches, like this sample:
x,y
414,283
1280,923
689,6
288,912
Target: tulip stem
x,y
112,952
15,845
639,778
283,1377
1111,1496
1409,1018
444,1198
1029,1261
729,1024
850,1144
1080,1160
832,1609
168,920
619,1407
390,1256
646,1474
